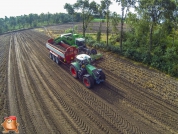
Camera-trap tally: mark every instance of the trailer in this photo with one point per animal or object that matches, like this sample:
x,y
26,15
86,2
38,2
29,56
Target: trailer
x,y
61,52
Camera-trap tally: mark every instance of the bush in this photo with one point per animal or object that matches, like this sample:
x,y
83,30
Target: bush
x,y
115,49
146,58
174,71
90,42
70,30
156,62
114,38
129,53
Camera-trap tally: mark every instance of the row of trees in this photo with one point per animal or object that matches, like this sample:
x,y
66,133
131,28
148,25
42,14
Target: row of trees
x,y
35,20
153,38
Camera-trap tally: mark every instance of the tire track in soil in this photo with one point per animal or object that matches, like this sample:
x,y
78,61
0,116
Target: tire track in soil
x,y
31,108
38,83
16,103
70,76
31,102
4,48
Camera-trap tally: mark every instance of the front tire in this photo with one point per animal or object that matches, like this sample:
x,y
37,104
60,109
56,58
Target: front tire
x,y
88,81
73,71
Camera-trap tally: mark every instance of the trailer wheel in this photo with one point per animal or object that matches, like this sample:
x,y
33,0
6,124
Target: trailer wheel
x,y
51,56
93,51
54,58
73,71
58,61
88,81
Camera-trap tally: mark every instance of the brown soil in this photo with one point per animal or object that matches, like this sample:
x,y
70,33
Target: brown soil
x,y
47,99
93,27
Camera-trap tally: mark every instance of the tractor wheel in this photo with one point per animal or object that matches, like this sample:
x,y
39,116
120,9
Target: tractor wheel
x,y
88,81
93,51
73,71
51,56
58,61
103,77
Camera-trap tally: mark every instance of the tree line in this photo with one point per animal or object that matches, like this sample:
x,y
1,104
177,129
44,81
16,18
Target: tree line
x,y
35,20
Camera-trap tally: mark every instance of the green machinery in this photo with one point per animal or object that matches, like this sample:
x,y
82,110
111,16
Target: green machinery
x,y
79,42
83,70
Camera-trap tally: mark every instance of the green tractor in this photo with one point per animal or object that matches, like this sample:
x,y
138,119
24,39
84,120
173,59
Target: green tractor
x,y
77,41
83,70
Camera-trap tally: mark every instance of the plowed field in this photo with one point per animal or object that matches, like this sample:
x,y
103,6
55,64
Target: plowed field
x,y
46,99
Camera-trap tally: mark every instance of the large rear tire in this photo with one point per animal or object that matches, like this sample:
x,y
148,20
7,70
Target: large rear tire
x,y
73,71
103,77
88,81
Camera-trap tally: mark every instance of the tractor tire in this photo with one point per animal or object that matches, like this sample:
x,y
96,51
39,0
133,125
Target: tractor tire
x,y
51,56
73,71
88,81
58,61
103,77
93,51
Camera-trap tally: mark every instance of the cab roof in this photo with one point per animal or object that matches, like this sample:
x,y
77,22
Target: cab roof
x,y
83,56
80,39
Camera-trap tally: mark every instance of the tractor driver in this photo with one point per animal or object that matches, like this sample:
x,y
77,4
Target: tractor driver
x,y
82,70
83,64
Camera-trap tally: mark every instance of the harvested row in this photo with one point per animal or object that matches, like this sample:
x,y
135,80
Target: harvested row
x,y
155,82
16,102
4,48
41,87
138,97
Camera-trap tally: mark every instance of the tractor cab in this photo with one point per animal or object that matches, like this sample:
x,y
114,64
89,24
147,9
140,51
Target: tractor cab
x,y
80,42
83,59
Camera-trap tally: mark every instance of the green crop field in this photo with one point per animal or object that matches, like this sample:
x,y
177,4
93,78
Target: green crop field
x,y
98,20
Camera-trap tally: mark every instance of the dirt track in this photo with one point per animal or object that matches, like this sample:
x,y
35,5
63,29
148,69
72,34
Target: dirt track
x,y
46,99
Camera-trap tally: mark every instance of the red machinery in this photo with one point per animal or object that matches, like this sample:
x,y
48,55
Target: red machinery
x,y
61,52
